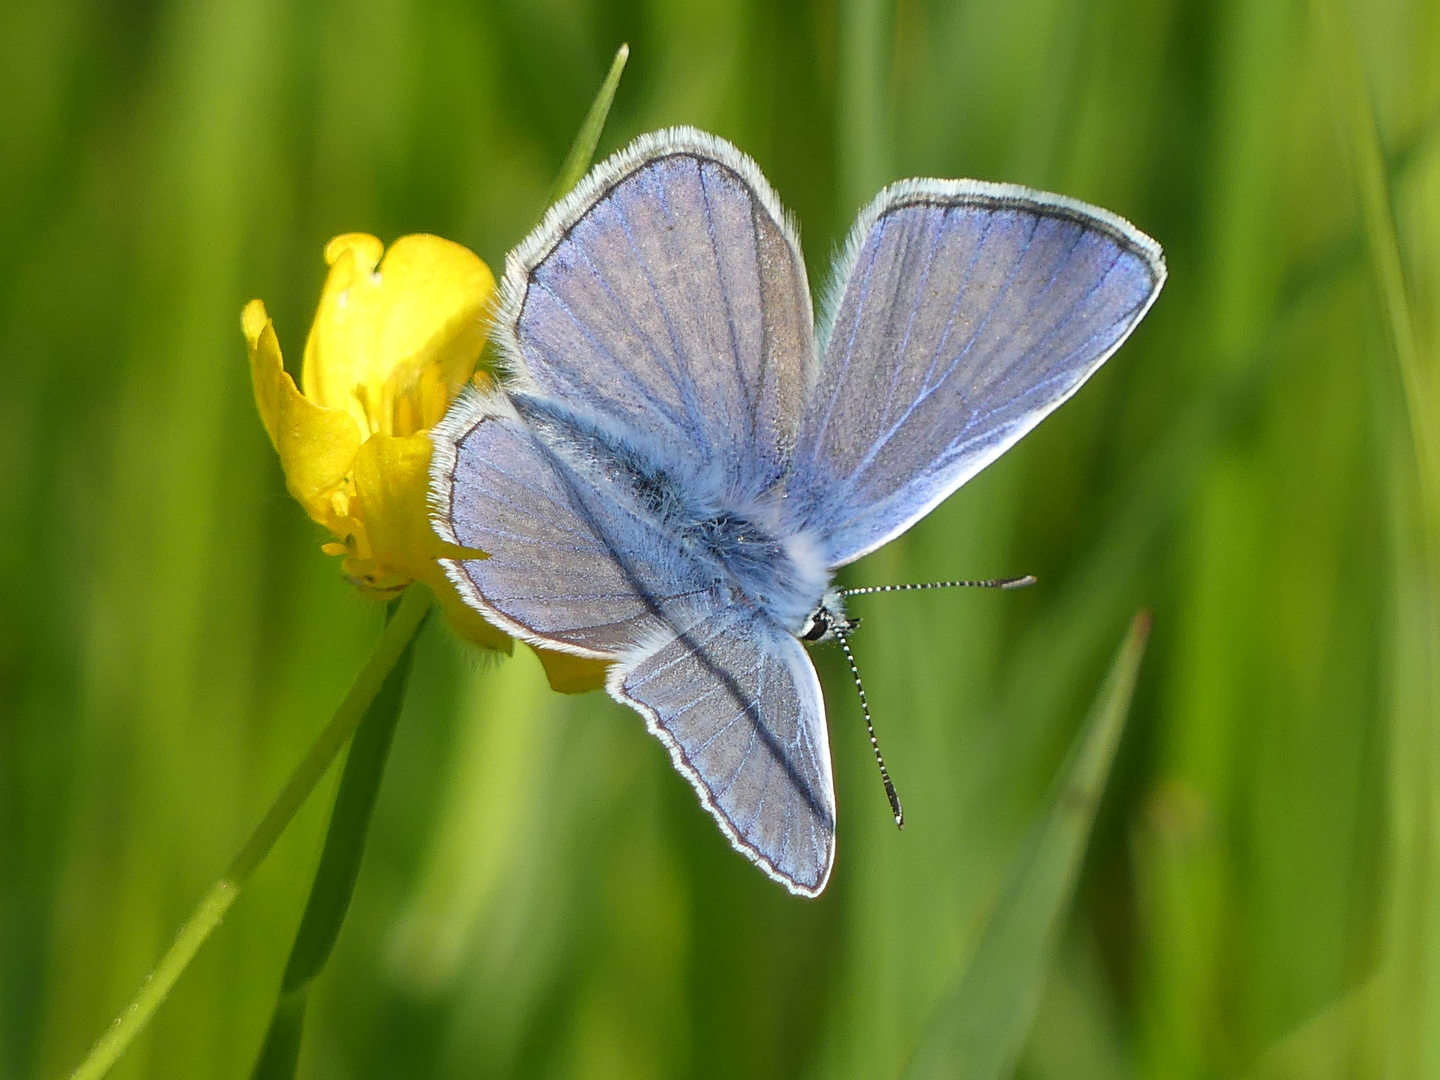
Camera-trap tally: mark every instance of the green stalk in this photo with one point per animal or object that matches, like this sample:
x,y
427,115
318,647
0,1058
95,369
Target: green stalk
x,y
582,150
979,1028
339,868
394,642
1357,117
1412,1001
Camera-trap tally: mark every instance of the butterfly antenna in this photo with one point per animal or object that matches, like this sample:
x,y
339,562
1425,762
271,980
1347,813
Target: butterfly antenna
x,y
988,583
843,638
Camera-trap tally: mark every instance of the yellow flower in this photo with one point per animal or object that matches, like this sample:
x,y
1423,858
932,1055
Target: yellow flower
x,y
394,340
392,344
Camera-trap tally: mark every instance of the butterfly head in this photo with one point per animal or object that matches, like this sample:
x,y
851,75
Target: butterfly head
x,y
828,621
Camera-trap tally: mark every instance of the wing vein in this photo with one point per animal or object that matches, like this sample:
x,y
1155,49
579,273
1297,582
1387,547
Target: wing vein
x,y
684,382
740,378
571,378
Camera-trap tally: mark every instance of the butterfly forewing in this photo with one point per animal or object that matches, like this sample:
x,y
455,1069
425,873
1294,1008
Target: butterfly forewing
x,y
668,294
967,313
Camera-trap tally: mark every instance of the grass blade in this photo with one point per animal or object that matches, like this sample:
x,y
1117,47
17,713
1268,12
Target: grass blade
x,y
338,870
1357,119
1413,1004
399,634
582,150
979,1027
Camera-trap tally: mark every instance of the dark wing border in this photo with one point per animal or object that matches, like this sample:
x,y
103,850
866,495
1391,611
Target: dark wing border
x,y
806,678
592,189
989,196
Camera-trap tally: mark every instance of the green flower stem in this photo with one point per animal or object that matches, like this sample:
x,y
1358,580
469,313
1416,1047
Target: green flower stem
x,y
582,150
393,644
339,867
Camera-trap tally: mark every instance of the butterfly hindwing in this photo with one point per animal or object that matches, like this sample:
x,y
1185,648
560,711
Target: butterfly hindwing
x,y
574,564
569,566
668,294
737,702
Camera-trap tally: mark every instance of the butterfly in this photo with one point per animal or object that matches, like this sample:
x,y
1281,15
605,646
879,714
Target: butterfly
x,y
676,459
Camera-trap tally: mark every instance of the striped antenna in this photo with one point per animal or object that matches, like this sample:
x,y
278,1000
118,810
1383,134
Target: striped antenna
x,y
842,636
988,583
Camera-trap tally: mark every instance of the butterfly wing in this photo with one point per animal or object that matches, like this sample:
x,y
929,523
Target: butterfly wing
x,y
658,337
964,314
570,566
574,566
737,702
667,294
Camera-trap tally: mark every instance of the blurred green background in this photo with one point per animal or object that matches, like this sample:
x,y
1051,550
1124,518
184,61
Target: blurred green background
x,y
542,896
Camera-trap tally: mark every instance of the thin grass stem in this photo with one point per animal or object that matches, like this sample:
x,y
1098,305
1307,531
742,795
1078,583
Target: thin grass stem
x,y
1413,915
393,643
977,1030
337,872
582,150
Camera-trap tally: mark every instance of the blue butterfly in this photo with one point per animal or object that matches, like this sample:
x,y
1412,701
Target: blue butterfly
x,y
678,459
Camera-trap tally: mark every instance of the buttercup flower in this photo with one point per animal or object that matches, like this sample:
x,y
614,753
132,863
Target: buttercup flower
x,y
394,340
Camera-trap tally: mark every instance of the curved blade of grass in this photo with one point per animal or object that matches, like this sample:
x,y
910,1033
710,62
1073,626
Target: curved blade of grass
x,y
1357,118
582,150
338,870
393,644
1413,918
979,1027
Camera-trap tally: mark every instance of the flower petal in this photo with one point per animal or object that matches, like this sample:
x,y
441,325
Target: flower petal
x,y
391,476
572,674
466,621
392,346
317,446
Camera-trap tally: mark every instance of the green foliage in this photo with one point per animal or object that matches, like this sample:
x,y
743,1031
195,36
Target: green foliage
x,y
582,150
540,895
340,860
979,1027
